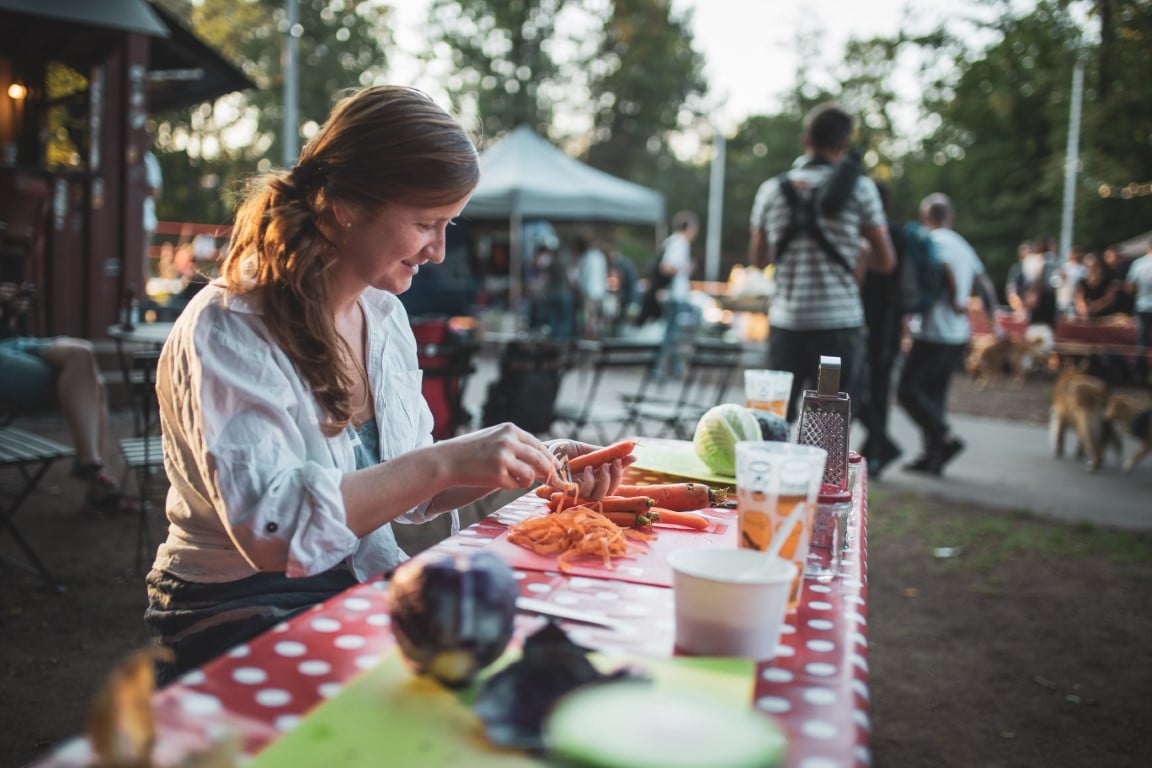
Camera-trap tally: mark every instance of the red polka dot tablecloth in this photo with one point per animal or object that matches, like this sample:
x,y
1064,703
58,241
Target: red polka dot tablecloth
x,y
816,686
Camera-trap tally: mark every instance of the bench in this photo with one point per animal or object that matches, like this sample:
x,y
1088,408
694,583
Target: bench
x,y
32,455
1109,343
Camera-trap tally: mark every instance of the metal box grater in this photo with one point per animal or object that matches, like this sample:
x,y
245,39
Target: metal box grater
x,y
825,415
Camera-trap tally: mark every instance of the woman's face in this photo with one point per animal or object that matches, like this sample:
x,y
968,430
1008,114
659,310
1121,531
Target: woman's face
x,y
386,249
1095,269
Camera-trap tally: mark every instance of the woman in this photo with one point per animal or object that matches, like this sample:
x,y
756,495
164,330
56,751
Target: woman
x,y
1097,291
294,428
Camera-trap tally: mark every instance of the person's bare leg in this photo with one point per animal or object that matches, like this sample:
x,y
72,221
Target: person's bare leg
x,y
82,397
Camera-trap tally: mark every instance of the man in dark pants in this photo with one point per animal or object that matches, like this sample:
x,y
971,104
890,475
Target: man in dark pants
x,y
817,308
940,341
885,323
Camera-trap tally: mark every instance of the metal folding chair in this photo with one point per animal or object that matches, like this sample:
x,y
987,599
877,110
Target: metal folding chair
x,y
143,455
610,355
32,455
711,366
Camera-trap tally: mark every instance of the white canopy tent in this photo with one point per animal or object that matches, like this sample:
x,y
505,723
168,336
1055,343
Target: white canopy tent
x,y
1135,247
523,176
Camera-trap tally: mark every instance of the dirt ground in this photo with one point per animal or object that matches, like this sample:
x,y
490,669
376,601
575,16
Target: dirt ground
x,y
1029,647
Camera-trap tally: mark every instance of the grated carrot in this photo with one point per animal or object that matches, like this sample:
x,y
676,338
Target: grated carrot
x,y
573,533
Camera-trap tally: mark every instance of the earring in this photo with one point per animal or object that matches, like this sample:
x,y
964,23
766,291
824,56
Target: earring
x,y
347,225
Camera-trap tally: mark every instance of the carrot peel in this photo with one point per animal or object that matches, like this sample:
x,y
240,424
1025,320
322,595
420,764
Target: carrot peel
x,y
573,533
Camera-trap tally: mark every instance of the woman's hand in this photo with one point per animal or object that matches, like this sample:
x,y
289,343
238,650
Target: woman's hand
x,y
502,456
593,483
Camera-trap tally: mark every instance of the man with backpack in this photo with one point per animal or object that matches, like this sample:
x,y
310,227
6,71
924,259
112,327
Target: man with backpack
x,y
810,222
940,341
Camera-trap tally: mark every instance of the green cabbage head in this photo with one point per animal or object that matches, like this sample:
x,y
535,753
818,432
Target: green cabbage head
x,y
717,433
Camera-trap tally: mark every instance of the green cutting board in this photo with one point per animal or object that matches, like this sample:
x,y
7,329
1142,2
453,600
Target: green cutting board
x,y
678,458
389,716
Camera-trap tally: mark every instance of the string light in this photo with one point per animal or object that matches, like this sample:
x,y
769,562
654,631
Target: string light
x,y
1127,192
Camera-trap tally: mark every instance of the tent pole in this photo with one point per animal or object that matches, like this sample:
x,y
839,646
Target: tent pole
x,y
715,209
515,260
291,60
1071,161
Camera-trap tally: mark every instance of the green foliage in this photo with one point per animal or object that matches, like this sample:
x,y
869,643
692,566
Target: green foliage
x,y
1001,147
341,44
994,118
1003,130
645,79
501,59
761,148
1117,130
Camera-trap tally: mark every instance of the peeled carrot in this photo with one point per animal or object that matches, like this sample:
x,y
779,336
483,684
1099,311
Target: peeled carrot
x,y
682,497
602,456
674,517
632,504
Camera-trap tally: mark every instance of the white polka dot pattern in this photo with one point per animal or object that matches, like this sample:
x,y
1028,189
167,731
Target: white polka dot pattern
x,y
817,686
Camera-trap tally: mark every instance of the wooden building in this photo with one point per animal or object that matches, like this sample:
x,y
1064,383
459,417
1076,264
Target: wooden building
x,y
78,79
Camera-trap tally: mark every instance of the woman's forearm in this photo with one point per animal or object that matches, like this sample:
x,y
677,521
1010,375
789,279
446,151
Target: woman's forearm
x,y
379,494
454,498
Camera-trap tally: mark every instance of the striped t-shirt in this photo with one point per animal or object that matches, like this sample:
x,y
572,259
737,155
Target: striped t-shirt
x,y
813,292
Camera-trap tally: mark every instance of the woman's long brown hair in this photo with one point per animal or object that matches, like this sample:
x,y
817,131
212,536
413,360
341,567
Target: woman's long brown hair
x,y
380,144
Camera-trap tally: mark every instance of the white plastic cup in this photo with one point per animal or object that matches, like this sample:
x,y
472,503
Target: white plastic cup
x,y
768,390
729,602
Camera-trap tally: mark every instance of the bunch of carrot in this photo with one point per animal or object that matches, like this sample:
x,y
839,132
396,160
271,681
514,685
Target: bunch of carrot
x,y
635,506
630,511
684,497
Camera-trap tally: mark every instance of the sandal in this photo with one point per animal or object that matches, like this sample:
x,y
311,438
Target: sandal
x,y
103,493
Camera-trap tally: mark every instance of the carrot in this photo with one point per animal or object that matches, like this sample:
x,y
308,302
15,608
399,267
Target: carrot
x,y
633,504
681,497
562,480
602,456
628,519
674,517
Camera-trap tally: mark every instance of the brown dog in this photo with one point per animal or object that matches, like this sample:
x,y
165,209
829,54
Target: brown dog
x,y
1132,415
990,357
1078,401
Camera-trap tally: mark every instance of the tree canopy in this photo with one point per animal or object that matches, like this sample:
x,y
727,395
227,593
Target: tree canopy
x,y
205,152
620,83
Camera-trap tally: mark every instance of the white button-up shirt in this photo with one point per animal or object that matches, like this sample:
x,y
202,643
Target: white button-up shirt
x,y
255,483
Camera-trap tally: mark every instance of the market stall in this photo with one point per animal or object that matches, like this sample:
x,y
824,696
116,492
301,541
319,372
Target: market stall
x,y
328,687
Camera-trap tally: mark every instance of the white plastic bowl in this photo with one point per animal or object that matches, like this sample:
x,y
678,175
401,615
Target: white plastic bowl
x,y
729,602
